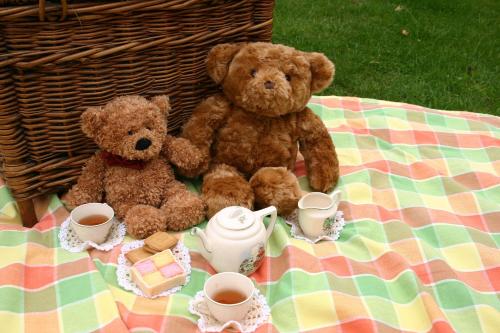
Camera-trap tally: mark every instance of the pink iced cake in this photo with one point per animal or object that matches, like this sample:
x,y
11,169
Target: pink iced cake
x,y
158,273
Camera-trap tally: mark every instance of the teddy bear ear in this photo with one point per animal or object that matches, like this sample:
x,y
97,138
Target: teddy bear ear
x,y
91,121
322,70
219,58
162,102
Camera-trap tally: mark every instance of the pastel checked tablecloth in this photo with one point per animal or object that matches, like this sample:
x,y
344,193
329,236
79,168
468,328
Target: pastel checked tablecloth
x,y
419,252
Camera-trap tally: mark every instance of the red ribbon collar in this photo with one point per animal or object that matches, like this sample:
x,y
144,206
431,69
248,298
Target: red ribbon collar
x,y
116,160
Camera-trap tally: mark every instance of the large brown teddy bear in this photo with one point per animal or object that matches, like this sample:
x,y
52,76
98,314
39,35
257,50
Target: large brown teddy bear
x,y
251,132
131,171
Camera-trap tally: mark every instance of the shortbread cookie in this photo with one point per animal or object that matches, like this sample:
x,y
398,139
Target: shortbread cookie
x,y
160,241
137,255
150,250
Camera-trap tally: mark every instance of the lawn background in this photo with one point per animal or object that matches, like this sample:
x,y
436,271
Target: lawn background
x,y
449,58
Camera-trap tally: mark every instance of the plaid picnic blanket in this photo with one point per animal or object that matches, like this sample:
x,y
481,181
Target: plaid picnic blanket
x,y
419,252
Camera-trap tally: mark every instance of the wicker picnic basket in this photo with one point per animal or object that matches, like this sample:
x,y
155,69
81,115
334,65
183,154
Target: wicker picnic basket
x,y
58,58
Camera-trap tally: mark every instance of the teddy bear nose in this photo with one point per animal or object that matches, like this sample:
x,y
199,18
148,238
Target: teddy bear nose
x,y
269,85
142,144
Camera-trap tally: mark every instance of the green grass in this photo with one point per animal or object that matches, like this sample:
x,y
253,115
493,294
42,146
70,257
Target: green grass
x,y
449,60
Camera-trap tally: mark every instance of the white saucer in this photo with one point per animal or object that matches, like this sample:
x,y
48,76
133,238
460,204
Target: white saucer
x,y
332,233
257,315
70,241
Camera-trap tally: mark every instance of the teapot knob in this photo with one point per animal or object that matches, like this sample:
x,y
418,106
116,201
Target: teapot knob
x,y
237,212
235,218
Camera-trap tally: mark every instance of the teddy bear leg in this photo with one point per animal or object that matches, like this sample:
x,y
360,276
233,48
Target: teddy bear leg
x,y
143,221
182,208
278,187
224,186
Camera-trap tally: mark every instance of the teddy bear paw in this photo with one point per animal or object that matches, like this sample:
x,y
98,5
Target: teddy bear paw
x,y
183,211
143,221
276,186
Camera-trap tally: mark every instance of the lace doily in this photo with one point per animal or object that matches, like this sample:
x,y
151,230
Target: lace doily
x,y
70,241
257,315
332,231
181,253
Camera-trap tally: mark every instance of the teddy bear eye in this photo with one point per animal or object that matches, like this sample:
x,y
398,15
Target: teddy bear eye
x,y
253,72
130,132
288,77
149,128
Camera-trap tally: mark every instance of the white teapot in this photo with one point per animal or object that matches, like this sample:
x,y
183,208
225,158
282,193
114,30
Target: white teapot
x,y
234,239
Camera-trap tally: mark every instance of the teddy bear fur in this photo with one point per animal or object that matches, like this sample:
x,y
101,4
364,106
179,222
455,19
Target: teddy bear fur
x,y
131,172
250,133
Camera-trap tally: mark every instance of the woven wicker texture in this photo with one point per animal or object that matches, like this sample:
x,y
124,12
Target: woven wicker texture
x,y
58,59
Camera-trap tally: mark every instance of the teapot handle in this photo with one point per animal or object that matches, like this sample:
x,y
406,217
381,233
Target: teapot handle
x,y
271,210
336,195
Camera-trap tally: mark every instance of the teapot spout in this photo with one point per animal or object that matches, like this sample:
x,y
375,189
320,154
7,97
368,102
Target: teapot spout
x,y
204,240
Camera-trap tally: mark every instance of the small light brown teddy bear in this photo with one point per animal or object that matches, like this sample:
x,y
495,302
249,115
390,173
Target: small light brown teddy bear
x,y
250,134
131,171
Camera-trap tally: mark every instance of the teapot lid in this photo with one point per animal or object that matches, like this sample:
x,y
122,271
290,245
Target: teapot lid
x,y
235,218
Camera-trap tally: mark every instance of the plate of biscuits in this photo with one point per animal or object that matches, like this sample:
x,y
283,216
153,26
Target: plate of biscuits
x,y
159,265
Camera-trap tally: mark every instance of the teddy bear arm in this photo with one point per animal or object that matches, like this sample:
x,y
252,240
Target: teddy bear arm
x,y
122,207
90,184
182,153
202,126
181,207
316,146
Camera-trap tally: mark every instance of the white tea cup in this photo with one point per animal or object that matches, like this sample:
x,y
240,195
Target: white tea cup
x,y
95,233
228,281
315,209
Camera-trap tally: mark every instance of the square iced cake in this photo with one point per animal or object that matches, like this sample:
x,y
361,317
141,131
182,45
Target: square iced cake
x,y
157,273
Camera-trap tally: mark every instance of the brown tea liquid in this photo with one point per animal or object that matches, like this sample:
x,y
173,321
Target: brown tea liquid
x,y
229,296
93,220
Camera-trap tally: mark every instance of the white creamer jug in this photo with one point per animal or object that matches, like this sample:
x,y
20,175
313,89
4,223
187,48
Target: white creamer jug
x,y
316,211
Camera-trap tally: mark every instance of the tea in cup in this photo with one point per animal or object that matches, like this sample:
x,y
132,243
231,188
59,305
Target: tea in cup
x,y
92,221
229,296
316,210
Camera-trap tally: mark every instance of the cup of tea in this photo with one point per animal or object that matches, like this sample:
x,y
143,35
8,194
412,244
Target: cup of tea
x,y
229,296
92,221
316,211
